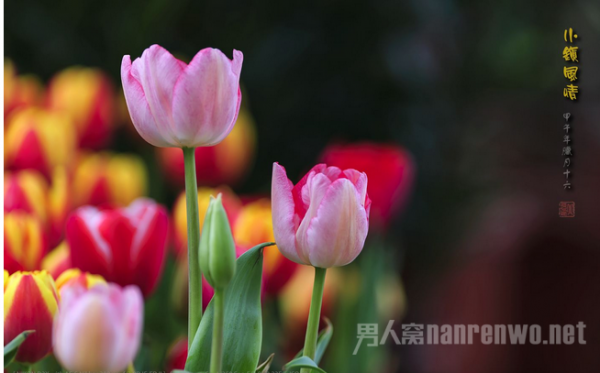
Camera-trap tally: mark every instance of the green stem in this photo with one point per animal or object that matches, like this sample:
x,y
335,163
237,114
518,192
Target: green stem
x,y
193,233
314,316
216,356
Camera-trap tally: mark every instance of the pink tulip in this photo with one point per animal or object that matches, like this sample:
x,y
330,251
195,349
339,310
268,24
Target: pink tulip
x,y
323,220
173,104
98,330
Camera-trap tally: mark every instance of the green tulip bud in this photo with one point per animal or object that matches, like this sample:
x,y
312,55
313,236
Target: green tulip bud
x,y
217,248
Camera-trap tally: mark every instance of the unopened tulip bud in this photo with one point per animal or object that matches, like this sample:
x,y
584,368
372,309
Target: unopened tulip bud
x,y
217,248
231,203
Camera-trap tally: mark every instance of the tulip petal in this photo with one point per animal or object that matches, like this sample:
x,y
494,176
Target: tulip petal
x,y
130,311
284,225
118,231
89,250
313,192
158,71
207,97
359,179
337,233
149,242
139,110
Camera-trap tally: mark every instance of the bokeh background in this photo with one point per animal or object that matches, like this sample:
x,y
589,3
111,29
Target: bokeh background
x,y
473,90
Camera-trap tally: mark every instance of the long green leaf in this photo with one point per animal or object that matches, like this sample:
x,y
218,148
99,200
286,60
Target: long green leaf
x,y
10,350
322,342
303,362
242,334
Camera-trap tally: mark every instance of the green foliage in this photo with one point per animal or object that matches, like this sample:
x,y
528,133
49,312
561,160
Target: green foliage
x,y
242,335
10,350
303,362
322,342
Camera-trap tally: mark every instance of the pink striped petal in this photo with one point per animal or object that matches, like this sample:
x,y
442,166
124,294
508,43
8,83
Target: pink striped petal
x,y
207,98
139,110
337,233
284,226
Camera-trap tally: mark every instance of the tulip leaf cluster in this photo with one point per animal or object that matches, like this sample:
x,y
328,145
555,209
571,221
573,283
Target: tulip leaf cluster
x,y
242,320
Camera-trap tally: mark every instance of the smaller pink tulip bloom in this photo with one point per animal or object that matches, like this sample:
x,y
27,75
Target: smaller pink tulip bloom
x,y
98,329
174,104
323,220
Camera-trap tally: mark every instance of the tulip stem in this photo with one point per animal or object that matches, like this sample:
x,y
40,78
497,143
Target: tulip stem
x,y
193,233
216,356
314,316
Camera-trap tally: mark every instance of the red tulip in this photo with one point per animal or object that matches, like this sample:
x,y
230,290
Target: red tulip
x,y
28,191
30,303
24,242
87,96
390,169
108,179
58,260
39,139
125,246
75,276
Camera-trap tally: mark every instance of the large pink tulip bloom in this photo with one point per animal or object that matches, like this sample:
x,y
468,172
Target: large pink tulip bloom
x,y
98,330
323,220
173,104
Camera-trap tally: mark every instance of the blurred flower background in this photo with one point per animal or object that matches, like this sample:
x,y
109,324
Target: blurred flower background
x,y
453,109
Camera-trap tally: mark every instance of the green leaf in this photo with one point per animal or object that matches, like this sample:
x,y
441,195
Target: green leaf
x,y
303,362
264,367
322,342
242,334
10,350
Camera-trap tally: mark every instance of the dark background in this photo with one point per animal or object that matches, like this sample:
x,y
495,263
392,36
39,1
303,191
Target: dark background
x,y
472,89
